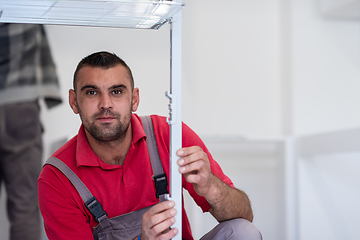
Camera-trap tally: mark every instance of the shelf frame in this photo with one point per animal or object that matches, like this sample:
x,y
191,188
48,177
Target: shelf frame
x,y
175,118
144,14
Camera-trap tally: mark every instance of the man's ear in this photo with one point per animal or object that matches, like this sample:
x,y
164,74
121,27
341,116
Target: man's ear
x,y
136,99
72,101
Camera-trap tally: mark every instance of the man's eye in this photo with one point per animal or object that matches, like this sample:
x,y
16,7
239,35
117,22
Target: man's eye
x,y
116,92
91,92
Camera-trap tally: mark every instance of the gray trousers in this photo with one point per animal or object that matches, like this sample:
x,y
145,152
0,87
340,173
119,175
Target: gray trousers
x,y
239,229
20,165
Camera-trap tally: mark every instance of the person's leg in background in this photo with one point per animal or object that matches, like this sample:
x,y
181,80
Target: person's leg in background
x,y
20,165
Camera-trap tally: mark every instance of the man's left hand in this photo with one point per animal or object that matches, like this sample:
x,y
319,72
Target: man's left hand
x,y
195,166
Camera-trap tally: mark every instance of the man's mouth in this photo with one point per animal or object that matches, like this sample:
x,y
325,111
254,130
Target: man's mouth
x,y
105,119
105,116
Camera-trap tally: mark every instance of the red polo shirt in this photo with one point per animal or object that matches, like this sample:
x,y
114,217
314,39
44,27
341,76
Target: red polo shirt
x,y
120,189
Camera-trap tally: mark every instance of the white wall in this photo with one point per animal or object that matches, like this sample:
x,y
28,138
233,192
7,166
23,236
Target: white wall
x,y
325,77
329,196
325,63
232,67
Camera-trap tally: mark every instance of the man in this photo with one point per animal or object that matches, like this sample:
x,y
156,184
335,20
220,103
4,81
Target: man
x,y
27,73
111,158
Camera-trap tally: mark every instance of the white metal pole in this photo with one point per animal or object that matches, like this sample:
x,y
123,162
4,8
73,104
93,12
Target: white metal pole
x,y
175,118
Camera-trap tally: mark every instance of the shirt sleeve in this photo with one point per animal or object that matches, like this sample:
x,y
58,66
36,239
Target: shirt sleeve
x,y
63,217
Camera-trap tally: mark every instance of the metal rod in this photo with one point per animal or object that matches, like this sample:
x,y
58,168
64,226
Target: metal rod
x,y
175,118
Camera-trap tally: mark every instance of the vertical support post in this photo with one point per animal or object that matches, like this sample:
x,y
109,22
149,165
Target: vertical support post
x,y
291,189
174,119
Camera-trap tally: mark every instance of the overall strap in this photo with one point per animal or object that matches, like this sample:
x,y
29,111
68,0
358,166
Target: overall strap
x,y
90,201
159,175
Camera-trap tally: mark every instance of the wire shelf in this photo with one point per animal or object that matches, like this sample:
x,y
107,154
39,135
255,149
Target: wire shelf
x,y
145,14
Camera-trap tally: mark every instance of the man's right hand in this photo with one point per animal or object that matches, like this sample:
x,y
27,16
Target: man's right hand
x,y
157,221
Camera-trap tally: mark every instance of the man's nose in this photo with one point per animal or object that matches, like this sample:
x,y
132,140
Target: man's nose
x,y
105,102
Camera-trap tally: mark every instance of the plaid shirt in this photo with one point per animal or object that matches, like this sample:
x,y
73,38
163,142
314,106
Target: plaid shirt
x,y
27,71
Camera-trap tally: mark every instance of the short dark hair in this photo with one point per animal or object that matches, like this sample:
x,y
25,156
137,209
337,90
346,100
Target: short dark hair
x,y
104,60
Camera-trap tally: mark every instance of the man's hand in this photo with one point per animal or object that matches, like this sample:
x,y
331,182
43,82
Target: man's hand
x,y
157,221
225,202
195,166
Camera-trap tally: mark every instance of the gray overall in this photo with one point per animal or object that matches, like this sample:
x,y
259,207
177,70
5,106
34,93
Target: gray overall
x,y
127,226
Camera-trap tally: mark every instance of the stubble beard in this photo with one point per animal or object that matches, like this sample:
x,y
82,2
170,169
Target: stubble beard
x,y
106,132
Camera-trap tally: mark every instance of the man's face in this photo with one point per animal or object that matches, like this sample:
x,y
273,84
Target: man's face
x,y
105,100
